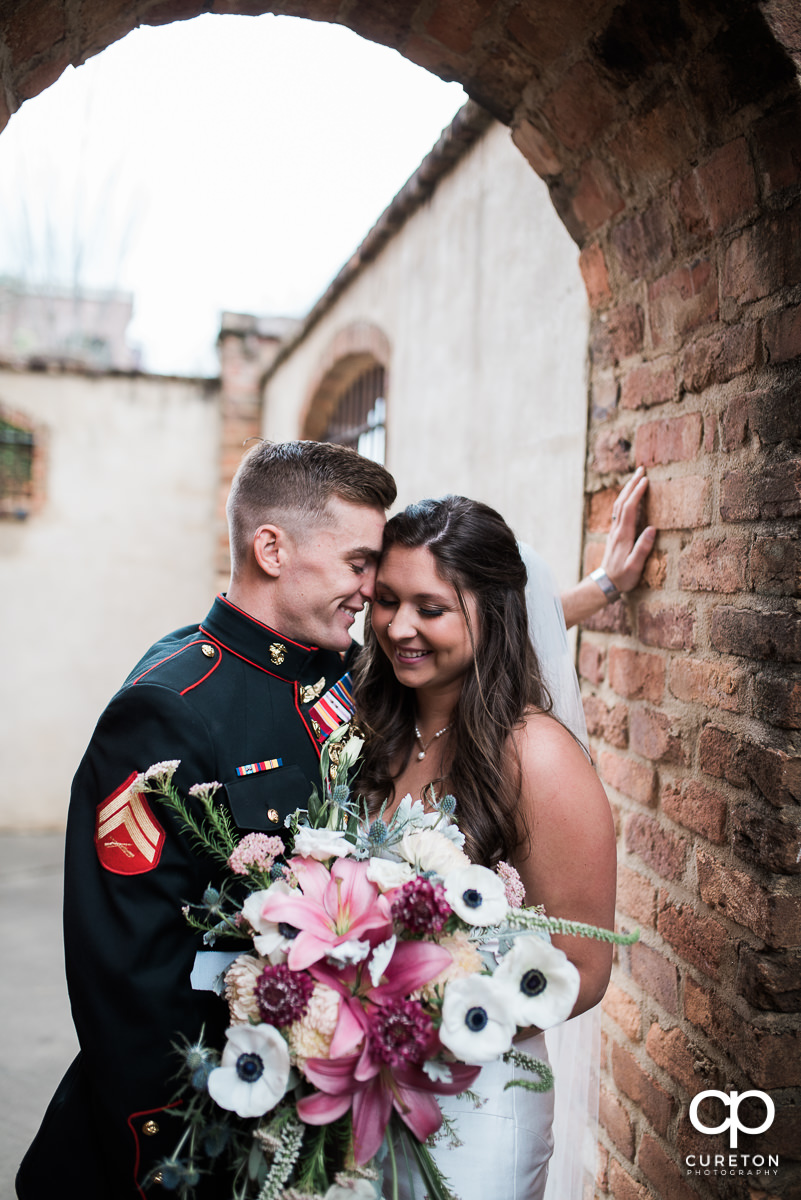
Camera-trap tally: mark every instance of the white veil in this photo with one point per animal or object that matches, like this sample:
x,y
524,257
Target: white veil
x,y
573,1047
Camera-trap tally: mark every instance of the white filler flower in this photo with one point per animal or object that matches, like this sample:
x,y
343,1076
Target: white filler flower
x,y
540,982
254,1071
477,895
477,1026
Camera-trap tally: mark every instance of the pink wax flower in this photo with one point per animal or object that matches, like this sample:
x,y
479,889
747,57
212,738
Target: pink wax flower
x,y
515,892
255,850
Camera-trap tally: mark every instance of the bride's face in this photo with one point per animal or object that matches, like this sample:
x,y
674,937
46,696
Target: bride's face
x,y
419,622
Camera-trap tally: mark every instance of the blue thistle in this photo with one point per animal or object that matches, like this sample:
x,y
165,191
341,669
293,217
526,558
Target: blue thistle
x,y
377,833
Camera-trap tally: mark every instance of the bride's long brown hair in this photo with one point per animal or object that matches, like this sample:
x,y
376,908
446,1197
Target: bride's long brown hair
x,y
475,552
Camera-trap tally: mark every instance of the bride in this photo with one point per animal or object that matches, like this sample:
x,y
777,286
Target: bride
x,y
452,698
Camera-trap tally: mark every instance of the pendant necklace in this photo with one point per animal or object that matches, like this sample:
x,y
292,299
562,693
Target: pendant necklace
x,y
423,746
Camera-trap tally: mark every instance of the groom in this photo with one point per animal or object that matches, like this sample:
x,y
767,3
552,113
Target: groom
x,y
246,699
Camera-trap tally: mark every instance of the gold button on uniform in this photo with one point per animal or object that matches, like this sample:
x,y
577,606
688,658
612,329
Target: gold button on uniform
x,y
207,650
158,1177
150,1127
272,815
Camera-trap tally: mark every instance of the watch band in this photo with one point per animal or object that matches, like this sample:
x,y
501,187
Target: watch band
x,y
600,577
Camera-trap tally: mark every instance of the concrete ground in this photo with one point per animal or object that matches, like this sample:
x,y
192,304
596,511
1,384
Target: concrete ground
x,y
37,1040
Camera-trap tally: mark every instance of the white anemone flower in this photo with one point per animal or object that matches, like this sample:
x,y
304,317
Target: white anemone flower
x,y
254,1071
321,844
477,895
477,1026
271,940
539,980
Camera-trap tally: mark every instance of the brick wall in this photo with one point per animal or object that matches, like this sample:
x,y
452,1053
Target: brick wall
x,y
668,135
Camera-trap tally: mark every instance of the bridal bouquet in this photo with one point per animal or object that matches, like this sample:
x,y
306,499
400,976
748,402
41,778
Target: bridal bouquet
x,y
385,969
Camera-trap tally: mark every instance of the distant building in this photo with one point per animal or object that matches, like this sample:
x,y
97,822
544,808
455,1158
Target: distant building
x,y
86,327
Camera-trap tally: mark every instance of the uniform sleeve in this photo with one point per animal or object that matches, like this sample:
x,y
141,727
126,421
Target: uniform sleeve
x,y
129,951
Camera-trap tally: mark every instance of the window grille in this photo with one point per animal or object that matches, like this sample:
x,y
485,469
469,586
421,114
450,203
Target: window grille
x,y
359,416
16,464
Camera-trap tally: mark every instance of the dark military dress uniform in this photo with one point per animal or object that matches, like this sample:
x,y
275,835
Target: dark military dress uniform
x,y
226,696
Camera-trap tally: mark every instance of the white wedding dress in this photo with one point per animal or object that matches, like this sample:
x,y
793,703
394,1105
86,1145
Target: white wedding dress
x,y
524,1145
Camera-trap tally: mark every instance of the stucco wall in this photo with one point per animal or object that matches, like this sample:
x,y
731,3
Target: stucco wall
x,y
482,301
121,551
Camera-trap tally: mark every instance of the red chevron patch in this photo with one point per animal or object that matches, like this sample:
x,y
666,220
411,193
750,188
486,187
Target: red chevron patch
x,y
128,838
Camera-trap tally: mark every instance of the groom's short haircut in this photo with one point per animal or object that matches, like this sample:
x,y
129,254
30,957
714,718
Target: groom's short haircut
x,y
290,484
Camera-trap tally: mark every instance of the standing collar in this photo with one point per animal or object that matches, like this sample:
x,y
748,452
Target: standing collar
x,y
267,648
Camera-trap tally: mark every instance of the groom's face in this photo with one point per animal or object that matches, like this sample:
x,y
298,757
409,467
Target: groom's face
x,y
329,575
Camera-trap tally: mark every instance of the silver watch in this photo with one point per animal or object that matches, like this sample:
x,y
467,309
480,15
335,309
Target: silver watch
x,y
600,577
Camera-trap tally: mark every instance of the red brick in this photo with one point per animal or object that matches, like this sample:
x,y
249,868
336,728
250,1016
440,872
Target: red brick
x,y
721,357
434,57
714,564
770,981
765,839
774,773
603,396
599,518
636,897
615,1121
664,852
682,301
678,503
778,155
173,10
653,1100
656,976
592,662
663,1171
595,274
776,565
754,634
36,79
723,189
781,335
648,385
612,453
454,23
754,495
651,736
708,683
674,440
621,1184
701,941
631,778
533,145
611,724
705,1009
775,415
580,107
595,197
719,755
769,1059
696,807
656,142
612,619
32,28
777,700
644,242
671,1050
774,918
734,427
535,29
635,675
626,328
655,572
601,1171
624,1011
764,258
670,628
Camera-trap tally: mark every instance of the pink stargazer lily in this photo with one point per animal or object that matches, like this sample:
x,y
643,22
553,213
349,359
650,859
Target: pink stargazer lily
x,y
407,1089
332,907
362,1080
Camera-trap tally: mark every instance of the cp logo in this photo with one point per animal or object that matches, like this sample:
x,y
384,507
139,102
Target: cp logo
x,y
732,1100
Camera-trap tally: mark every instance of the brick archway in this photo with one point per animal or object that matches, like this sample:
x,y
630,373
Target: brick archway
x,y
668,135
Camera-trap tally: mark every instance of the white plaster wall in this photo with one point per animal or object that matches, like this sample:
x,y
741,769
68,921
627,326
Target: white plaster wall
x,y
481,298
122,552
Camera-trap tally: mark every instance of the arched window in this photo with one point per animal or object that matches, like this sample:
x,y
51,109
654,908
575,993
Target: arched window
x,y
358,418
18,474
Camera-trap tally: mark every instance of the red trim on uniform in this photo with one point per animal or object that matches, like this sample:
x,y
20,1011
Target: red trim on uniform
x,y
317,745
167,659
269,628
249,661
210,671
137,1158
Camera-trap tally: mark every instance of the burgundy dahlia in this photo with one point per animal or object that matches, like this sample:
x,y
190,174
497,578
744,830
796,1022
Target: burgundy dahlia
x,y
283,995
400,1032
421,906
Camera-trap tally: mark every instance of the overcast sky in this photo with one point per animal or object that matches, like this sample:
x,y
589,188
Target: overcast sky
x,y
219,163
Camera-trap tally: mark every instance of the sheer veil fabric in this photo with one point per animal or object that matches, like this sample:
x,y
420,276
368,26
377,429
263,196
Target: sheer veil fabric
x,y
574,1047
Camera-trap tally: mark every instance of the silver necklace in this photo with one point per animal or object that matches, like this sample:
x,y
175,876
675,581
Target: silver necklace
x,y
423,746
